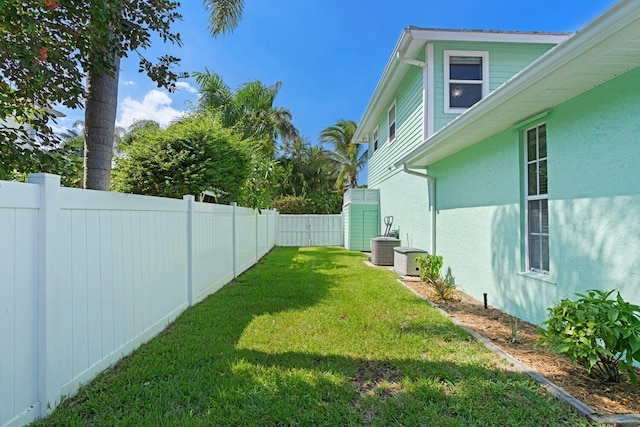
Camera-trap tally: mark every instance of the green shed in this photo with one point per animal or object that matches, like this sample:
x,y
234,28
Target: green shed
x,y
361,212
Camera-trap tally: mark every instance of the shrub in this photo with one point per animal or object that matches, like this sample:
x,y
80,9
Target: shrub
x,y
189,157
601,334
444,291
430,266
312,203
292,205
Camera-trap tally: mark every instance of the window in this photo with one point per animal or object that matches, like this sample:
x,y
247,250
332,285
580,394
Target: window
x,y
391,116
466,79
537,210
375,139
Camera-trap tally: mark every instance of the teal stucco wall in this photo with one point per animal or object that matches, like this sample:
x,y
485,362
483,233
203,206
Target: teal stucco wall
x,y
403,196
594,204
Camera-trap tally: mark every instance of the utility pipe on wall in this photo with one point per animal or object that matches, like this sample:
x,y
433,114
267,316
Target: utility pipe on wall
x,y
432,201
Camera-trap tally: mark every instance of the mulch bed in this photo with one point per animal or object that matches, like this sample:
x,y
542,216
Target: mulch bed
x,y
622,398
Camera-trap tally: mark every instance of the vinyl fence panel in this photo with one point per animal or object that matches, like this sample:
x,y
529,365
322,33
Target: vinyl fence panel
x,y
245,227
87,276
310,230
19,204
213,243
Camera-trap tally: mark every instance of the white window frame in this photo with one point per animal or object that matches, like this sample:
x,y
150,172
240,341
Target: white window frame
x,y
376,139
484,55
395,123
535,197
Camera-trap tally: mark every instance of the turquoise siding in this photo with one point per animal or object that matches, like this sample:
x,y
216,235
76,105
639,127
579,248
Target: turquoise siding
x,y
505,61
402,196
409,125
594,200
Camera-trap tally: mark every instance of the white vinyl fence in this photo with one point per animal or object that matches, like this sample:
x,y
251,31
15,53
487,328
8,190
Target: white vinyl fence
x,y
87,276
310,230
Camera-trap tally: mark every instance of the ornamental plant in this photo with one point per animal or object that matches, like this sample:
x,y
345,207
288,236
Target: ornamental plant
x,y
600,333
430,266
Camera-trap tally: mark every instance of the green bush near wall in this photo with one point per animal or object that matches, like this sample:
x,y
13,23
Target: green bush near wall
x,y
313,203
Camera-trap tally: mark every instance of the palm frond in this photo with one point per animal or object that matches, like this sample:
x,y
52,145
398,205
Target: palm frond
x,y
224,15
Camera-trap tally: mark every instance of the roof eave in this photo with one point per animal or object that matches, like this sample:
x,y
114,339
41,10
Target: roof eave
x,y
413,38
555,64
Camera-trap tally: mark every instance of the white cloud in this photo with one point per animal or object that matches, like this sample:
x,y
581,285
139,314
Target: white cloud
x,y
129,83
156,105
186,87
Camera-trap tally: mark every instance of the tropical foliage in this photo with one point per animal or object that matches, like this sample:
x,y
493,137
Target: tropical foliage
x,y
598,331
250,110
195,155
50,47
350,156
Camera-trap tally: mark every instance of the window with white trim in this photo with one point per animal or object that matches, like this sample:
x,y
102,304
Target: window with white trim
x,y
391,119
375,139
466,75
537,209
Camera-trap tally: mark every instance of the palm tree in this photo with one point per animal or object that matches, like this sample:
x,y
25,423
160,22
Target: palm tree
x,y
102,87
100,123
224,16
348,154
250,109
259,118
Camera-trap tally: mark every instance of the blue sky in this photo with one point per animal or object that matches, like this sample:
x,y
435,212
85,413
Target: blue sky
x,y
328,54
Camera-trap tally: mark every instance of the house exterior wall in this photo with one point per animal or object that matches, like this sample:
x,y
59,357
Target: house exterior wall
x,y
594,200
505,61
409,123
403,196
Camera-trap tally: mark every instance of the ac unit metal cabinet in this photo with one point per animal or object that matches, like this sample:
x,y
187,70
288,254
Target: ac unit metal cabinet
x,y
361,207
382,250
404,260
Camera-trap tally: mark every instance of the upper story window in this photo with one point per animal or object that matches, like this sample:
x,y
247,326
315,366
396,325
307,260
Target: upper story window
x,y
537,224
466,79
376,138
391,116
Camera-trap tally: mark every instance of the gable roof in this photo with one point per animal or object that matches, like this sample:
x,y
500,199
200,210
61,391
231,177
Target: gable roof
x,y
410,44
604,49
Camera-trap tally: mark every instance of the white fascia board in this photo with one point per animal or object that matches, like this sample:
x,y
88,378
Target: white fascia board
x,y
433,35
552,65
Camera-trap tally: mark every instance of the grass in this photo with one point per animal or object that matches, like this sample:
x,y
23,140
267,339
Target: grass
x,y
312,336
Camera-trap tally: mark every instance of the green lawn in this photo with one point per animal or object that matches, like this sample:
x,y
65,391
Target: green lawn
x,y
313,336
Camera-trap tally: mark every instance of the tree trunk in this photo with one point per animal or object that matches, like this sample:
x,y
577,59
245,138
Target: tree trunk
x,y
100,122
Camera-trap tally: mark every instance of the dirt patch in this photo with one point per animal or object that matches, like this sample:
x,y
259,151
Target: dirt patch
x,y
623,398
377,379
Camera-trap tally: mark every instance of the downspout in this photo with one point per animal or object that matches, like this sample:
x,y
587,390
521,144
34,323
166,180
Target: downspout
x,y
432,202
405,168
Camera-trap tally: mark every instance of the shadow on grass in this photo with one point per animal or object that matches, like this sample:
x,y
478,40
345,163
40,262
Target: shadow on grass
x,y
195,372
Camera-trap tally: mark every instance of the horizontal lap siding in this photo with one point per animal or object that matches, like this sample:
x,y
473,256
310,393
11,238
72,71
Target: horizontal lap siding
x,y
409,124
505,61
403,196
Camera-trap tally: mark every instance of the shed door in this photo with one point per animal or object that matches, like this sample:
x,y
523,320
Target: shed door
x,y
369,227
